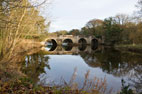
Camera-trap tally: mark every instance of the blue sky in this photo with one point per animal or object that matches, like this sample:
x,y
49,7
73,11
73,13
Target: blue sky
x,y
74,14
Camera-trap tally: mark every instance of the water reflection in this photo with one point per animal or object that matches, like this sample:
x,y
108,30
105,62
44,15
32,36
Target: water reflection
x,y
94,44
82,47
68,47
102,62
51,47
136,79
34,66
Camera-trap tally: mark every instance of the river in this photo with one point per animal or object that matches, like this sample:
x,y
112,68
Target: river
x,y
53,65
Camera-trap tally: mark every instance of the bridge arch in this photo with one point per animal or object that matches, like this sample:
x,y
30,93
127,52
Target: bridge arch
x,y
82,41
52,44
67,42
94,44
82,44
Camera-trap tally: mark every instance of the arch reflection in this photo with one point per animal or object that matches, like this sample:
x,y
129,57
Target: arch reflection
x,y
68,47
94,44
82,47
82,44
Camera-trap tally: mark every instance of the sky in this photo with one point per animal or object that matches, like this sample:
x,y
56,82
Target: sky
x,y
74,14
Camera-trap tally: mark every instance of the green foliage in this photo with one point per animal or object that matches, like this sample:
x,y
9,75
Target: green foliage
x,y
112,31
84,31
74,32
121,29
61,32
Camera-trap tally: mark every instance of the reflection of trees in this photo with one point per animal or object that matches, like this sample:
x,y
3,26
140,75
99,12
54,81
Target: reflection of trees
x,y
112,61
35,66
117,63
68,47
108,61
137,79
82,47
90,59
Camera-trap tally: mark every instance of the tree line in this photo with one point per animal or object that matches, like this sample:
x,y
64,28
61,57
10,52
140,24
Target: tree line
x,y
120,29
18,19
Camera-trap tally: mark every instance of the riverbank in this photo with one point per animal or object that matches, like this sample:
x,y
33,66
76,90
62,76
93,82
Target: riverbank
x,y
24,47
10,67
130,47
25,86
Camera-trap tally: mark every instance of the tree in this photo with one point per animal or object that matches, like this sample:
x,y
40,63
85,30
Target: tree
x,y
136,35
122,19
139,6
95,27
74,32
112,31
61,32
94,23
18,18
84,31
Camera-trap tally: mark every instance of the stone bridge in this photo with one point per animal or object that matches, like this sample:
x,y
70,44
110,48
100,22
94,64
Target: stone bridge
x,y
70,39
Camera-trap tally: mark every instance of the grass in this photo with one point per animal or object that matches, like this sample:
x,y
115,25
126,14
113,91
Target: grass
x,y
25,85
136,46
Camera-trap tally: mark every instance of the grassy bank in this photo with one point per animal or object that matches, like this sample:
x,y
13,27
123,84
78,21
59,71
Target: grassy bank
x,y
130,47
25,85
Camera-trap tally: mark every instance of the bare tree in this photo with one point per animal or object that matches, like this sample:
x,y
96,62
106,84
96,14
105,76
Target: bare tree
x,y
139,6
122,19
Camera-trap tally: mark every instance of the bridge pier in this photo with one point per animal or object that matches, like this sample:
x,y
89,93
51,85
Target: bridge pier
x,y
59,42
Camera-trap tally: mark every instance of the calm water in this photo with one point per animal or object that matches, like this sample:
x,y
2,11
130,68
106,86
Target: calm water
x,y
47,66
